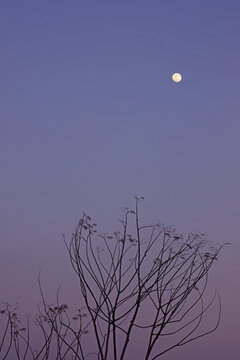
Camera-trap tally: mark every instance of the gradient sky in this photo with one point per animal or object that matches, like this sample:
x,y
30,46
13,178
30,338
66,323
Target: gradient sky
x,y
89,118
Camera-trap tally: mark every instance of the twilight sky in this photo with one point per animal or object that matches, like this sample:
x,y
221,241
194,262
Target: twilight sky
x,y
89,118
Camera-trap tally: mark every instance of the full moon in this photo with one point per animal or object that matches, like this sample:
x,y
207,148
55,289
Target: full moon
x,y
177,77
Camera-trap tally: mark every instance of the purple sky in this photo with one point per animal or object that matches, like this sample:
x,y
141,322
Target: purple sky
x,y
89,117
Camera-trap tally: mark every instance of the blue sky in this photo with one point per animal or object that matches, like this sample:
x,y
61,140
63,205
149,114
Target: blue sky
x,y
90,117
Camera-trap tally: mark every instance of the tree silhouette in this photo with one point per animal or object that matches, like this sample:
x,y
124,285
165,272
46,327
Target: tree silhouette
x,y
144,282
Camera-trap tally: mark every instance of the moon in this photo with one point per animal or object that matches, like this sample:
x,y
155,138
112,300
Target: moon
x,y
177,77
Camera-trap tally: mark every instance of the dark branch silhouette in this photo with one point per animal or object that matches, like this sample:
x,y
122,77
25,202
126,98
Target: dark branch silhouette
x,y
150,280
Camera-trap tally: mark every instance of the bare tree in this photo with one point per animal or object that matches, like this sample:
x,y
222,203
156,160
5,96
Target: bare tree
x,y
60,335
151,280
143,282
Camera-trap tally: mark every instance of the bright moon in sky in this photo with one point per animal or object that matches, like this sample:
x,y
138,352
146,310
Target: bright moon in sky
x,y
177,77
